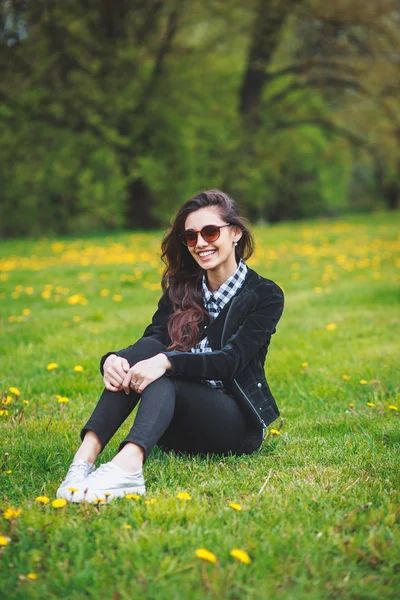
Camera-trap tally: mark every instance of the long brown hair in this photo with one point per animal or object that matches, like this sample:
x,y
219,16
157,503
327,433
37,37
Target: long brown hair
x,y
182,275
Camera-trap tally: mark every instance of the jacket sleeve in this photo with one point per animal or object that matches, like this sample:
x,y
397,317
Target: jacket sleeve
x,y
157,329
253,334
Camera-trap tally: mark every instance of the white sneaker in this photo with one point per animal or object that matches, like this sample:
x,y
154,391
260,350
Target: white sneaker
x,y
77,473
107,482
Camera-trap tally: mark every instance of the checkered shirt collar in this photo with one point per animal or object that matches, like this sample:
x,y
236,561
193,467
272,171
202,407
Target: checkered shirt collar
x,y
227,290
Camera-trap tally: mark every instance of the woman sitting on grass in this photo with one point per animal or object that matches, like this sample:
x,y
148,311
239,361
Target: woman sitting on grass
x,y
198,370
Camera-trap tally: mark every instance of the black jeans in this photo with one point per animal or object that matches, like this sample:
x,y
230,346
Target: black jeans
x,y
175,414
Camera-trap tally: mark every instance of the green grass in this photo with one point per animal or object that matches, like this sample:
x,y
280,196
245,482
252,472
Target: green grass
x,y
326,524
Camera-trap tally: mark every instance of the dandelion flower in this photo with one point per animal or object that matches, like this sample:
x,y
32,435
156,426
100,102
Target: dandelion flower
x,y
370,404
26,312
98,500
126,526
26,402
150,501
206,555
393,407
14,390
78,368
63,400
331,326
52,366
8,472
11,513
351,405
132,497
235,506
76,319
4,540
42,499
304,365
104,293
3,412
59,503
117,297
32,576
346,377
241,556
363,381
275,432
72,489
183,496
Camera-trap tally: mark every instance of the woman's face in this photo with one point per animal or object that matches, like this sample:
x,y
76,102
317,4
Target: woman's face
x,y
218,255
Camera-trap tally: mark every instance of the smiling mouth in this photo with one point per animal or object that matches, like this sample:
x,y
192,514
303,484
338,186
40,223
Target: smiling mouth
x,y
206,253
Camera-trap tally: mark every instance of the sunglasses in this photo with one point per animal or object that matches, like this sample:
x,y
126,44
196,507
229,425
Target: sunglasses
x,y
209,233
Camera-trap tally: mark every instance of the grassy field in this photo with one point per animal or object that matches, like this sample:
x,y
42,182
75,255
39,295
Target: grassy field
x,y
319,511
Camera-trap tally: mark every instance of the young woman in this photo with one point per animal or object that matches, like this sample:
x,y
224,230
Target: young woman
x,y
198,370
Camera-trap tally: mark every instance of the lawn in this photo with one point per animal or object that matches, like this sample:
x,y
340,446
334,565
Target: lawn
x,y
315,511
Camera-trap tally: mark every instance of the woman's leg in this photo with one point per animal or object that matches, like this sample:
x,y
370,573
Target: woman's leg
x,y
191,417
113,407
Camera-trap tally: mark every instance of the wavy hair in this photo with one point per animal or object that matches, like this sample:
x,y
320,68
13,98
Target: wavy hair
x,y
182,275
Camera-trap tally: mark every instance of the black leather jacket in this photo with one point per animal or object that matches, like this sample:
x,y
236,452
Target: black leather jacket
x,y
239,338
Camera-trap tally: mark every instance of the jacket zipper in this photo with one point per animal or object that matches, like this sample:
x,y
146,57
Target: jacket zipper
x,y
235,380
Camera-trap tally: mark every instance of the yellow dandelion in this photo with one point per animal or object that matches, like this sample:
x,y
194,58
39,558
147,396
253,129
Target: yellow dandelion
x,y
351,405
52,366
275,432
150,501
72,489
8,472
11,319
78,368
59,503
32,576
370,404
26,402
106,494
29,291
132,497
304,365
63,400
7,401
98,500
14,390
317,290
363,381
241,556
183,496
104,293
42,499
117,297
4,540
393,407
11,513
3,412
126,526
206,555
26,312
236,506
76,319
346,377
46,294
331,326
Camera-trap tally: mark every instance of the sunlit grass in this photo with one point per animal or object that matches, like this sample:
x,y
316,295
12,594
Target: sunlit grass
x,y
314,514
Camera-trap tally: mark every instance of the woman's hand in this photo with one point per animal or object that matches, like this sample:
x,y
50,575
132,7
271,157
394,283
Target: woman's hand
x,y
114,369
145,372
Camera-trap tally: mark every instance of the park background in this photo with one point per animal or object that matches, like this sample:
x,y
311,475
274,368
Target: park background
x,y
112,113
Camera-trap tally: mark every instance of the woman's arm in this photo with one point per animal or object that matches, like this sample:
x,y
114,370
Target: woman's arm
x,y
157,328
254,333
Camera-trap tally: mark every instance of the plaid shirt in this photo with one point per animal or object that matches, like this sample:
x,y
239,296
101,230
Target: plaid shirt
x,y
214,302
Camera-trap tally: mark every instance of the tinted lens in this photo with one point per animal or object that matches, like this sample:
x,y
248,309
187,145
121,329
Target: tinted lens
x,y
190,237
210,233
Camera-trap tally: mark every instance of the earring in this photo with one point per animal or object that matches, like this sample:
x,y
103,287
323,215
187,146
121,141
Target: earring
x,y
235,243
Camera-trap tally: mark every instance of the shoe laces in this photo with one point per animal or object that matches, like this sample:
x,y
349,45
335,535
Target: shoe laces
x,y
106,468
80,469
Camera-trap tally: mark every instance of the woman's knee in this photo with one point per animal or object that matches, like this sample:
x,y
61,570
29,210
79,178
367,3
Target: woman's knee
x,y
144,348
